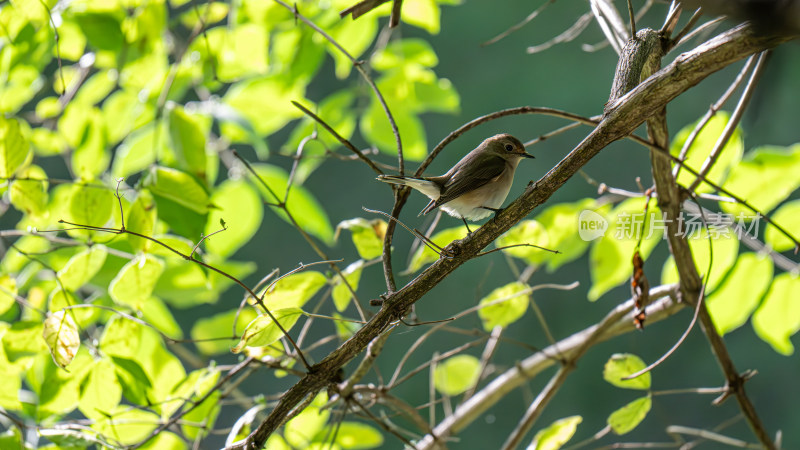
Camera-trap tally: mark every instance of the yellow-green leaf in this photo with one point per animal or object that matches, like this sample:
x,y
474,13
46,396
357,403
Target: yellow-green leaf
x,y
526,232
179,187
341,293
621,365
219,326
355,435
556,435
701,148
629,416
506,305
733,302
135,282
8,291
141,219
301,430
301,204
788,217
82,267
239,205
263,331
188,141
101,391
90,205
724,248
425,255
367,235
61,336
293,290
778,317
765,178
610,256
14,148
457,374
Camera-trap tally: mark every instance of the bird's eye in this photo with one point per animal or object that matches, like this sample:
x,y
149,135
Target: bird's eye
x,y
509,147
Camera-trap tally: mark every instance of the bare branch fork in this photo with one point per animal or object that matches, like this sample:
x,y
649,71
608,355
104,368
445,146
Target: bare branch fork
x,y
621,119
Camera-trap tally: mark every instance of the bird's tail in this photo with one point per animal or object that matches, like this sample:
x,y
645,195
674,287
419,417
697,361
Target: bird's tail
x,y
427,187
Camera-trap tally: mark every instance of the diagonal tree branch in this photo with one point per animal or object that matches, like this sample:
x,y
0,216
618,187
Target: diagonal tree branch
x,y
621,119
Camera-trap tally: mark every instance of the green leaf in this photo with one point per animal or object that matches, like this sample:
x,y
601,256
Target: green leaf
x,y
738,296
82,267
355,435
778,317
23,339
90,205
60,299
91,156
424,14
341,293
239,205
134,284
509,304
301,430
556,435
138,151
305,209
100,391
231,53
765,178
179,187
127,425
61,336
266,101
629,416
196,385
610,256
124,111
158,315
405,51
188,141
425,255
367,235
102,30
621,365
220,326
376,129
788,217
14,149
701,147
725,249
526,232
561,222
133,379
293,290
8,289
59,392
262,331
457,374
141,219
30,196
355,37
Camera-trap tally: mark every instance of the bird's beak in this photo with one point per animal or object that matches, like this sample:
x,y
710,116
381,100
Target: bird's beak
x,y
527,155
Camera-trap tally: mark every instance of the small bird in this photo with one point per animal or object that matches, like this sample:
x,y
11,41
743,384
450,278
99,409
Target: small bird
x,y
477,185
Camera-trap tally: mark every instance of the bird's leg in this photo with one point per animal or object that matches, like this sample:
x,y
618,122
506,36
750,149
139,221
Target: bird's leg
x,y
465,224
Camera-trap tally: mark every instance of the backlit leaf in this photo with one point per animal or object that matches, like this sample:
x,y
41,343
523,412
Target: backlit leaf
x,y
629,416
263,331
507,304
778,317
739,295
556,435
61,336
621,365
239,205
134,284
456,374
293,290
425,255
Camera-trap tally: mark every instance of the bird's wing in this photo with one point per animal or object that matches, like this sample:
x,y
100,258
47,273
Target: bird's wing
x,y
470,178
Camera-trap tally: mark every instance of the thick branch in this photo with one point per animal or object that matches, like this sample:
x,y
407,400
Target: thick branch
x,y
627,114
